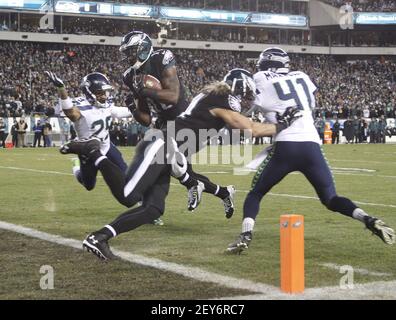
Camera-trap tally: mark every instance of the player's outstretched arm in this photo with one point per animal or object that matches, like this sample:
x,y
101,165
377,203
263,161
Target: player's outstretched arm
x,y
237,121
66,103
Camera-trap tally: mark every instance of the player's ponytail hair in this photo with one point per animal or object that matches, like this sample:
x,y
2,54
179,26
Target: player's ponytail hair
x,y
218,88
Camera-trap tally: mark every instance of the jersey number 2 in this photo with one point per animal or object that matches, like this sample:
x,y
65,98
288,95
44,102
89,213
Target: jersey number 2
x,y
294,94
101,125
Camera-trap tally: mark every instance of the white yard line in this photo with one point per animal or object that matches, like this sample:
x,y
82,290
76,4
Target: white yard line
x,y
37,171
374,290
353,169
238,190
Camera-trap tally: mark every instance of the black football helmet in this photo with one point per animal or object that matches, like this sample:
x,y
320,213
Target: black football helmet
x,y
136,47
243,88
97,89
241,83
275,60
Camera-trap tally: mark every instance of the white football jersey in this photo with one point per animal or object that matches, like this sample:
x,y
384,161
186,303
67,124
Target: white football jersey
x,y
278,92
97,121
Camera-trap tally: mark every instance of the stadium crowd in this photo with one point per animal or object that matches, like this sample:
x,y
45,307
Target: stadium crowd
x,y
366,5
196,32
347,88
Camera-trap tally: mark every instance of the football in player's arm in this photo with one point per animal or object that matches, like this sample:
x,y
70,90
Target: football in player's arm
x,y
167,99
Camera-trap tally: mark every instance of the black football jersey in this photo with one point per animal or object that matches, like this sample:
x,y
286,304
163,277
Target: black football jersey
x,y
198,118
154,66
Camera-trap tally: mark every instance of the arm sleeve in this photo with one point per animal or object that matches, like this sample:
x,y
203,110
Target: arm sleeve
x,y
225,102
120,112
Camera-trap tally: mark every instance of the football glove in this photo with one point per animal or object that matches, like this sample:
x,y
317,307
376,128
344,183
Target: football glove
x,y
58,82
287,118
131,103
138,85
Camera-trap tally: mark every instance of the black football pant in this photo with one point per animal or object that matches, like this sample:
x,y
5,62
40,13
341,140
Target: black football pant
x,y
145,181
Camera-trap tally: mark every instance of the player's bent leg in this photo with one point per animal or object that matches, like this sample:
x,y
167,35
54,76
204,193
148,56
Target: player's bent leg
x,y
128,188
152,208
197,183
272,170
115,156
81,147
319,175
87,174
97,242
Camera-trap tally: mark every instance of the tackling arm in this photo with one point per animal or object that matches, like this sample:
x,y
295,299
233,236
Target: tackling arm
x,y
237,121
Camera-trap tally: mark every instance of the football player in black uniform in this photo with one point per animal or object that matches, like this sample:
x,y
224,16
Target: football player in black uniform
x,y
168,103
148,180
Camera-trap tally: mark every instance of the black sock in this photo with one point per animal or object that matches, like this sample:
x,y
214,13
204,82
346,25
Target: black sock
x,y
106,232
134,218
341,205
187,181
95,155
222,193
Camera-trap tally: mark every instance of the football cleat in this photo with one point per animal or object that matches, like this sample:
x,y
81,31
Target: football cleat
x,y
380,229
158,222
195,195
82,147
96,243
241,243
229,202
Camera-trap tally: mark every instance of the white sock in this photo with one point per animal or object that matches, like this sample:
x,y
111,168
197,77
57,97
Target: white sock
x,y
217,190
99,160
359,214
112,230
76,171
247,225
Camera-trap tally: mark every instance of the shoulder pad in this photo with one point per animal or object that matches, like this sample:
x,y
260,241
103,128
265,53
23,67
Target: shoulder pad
x,y
166,56
296,73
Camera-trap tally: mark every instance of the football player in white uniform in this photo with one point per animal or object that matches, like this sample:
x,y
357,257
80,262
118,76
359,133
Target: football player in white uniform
x,y
297,148
92,115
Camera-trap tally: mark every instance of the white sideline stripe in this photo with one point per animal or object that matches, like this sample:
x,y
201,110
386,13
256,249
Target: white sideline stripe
x,y
373,290
379,290
354,169
238,190
357,270
186,271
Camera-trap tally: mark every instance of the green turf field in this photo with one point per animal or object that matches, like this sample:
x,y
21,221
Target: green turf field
x,y
38,191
